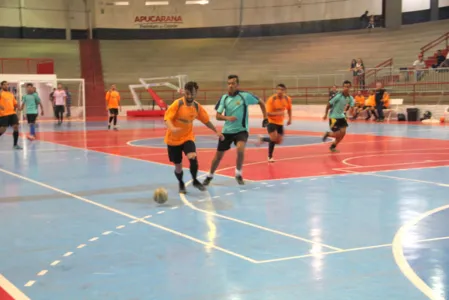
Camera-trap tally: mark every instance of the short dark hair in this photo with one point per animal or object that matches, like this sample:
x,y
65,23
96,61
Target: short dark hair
x,y
29,84
347,82
3,82
281,85
234,76
190,86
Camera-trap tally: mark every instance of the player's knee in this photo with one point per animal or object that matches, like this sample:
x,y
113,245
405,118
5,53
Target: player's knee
x,y
178,168
191,155
280,139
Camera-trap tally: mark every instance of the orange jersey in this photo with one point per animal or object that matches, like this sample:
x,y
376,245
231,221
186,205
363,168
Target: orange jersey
x,y
182,116
371,101
360,100
386,99
8,104
276,104
112,99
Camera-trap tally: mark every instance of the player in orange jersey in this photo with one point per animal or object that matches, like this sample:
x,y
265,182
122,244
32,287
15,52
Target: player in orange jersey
x,y
179,137
8,116
276,106
113,105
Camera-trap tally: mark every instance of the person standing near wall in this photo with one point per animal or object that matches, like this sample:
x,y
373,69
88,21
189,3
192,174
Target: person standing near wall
x,y
60,99
379,96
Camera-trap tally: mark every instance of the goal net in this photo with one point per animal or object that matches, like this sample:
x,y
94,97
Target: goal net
x,y
157,91
44,86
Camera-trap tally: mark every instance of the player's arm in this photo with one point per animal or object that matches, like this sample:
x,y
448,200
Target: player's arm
x,y
170,115
289,111
203,116
108,95
16,105
38,100
220,108
119,101
23,103
329,105
252,99
351,104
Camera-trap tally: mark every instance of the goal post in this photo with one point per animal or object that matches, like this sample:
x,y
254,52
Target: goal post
x,y
44,86
149,84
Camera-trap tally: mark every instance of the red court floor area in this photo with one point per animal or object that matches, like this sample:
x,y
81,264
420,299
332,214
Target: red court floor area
x,y
358,153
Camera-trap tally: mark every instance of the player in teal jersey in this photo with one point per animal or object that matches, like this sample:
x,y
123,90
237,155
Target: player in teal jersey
x,y
233,109
31,101
337,117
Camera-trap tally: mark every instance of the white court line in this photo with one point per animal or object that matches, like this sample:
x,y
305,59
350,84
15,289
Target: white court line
x,y
345,161
111,209
401,261
344,251
11,289
190,205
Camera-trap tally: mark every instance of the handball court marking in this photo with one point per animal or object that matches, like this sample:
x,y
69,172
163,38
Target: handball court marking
x,y
10,291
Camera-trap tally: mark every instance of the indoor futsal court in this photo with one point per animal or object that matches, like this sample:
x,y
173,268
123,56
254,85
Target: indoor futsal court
x,y
370,222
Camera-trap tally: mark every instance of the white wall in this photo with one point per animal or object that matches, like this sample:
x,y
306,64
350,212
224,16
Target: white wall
x,y
443,3
227,12
415,5
43,13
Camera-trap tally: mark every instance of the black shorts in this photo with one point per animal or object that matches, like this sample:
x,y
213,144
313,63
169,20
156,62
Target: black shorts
x,y
31,118
9,120
230,138
175,152
113,111
59,109
275,127
337,124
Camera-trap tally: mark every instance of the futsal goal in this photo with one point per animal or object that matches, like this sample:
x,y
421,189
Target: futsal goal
x,y
45,84
158,90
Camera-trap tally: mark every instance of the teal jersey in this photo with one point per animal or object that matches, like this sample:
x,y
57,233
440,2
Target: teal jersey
x,y
236,105
338,104
31,103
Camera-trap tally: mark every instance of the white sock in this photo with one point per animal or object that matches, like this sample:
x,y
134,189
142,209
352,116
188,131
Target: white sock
x,y
238,172
210,175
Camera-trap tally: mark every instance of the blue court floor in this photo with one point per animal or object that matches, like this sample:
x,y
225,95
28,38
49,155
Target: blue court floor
x,y
81,224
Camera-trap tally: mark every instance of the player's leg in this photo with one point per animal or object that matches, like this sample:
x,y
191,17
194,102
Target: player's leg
x,y
189,149
380,111
240,140
277,137
223,146
339,132
3,125
31,118
61,113
115,114
14,123
175,156
111,117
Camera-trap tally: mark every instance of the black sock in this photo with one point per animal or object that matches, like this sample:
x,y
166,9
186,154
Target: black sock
x,y
110,120
179,176
333,146
193,167
266,139
115,120
271,149
15,135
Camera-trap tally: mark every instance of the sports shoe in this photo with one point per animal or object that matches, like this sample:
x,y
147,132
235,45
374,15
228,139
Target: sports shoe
x,y
271,160
17,147
207,181
239,179
198,185
182,188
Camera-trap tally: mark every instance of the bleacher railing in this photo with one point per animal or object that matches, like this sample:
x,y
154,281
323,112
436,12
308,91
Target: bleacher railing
x,y
443,39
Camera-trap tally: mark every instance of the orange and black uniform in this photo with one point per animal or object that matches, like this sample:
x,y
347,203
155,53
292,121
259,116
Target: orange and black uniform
x,y
113,102
277,104
8,105
182,116
359,100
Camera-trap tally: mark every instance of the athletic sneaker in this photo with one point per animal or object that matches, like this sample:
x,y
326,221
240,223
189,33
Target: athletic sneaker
x,y
239,179
182,188
109,127
17,147
334,150
207,181
198,185
271,160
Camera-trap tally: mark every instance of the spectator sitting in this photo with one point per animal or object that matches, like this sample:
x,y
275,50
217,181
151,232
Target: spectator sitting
x,y
440,59
371,23
370,106
359,104
445,63
419,66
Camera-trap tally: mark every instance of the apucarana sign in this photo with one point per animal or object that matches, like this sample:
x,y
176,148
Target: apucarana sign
x,y
158,22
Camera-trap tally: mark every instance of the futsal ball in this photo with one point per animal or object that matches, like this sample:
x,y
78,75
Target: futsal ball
x,y
160,195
